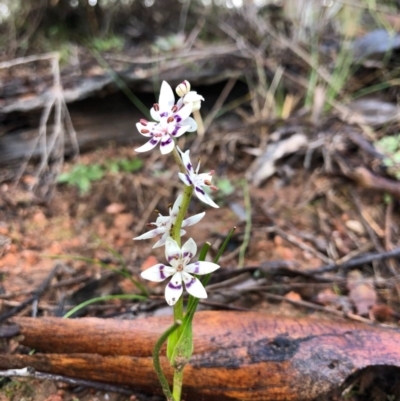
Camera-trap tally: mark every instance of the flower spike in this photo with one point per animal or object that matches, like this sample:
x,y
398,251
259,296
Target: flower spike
x,y
180,271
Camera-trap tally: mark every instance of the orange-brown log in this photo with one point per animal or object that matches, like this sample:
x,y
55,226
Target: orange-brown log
x,y
238,356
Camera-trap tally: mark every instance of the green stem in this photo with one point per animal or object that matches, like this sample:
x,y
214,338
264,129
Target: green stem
x,y
178,381
247,231
101,299
187,196
156,360
178,307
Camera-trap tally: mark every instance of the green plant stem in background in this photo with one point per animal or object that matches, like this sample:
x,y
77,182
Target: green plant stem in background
x,y
100,299
119,82
156,360
247,230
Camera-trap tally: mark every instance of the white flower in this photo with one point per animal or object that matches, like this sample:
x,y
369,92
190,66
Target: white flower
x,y
165,223
172,121
191,177
180,271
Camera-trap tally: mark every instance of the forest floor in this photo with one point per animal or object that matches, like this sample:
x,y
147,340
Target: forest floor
x,y
298,223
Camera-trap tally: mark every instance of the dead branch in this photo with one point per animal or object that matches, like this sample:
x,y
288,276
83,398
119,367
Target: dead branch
x,y
237,356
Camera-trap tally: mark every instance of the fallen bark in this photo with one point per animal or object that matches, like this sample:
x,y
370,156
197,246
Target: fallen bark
x,y
238,356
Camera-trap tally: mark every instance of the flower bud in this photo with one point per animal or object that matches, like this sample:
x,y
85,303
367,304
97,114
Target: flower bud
x,y
183,88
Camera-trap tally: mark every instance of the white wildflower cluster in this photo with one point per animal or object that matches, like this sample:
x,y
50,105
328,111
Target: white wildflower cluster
x,y
171,121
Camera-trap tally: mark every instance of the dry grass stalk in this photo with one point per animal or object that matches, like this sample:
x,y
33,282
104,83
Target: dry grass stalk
x,y
51,144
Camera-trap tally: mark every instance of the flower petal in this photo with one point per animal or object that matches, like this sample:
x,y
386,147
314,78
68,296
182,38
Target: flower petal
x,y
177,205
189,249
162,221
172,250
151,233
204,197
155,115
149,127
176,130
201,267
183,113
186,160
194,286
158,272
148,145
167,144
167,97
193,219
204,177
162,240
191,123
179,103
191,97
174,289
186,179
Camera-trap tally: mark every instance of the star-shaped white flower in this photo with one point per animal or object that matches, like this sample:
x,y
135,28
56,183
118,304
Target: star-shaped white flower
x,y
164,224
172,121
191,177
180,271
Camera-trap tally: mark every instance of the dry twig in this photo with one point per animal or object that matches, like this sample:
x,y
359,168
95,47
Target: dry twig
x,y
51,145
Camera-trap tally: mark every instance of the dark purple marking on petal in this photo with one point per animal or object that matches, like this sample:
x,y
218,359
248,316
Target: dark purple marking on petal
x,y
168,141
189,167
188,254
162,275
175,131
172,257
197,268
188,178
164,114
174,287
153,141
199,190
178,118
190,283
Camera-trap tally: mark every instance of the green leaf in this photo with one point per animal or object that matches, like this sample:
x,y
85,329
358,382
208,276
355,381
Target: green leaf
x,y
64,177
131,165
389,144
184,347
113,166
83,185
95,172
225,186
81,176
396,157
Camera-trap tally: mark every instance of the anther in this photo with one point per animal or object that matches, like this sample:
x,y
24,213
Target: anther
x,y
170,119
174,108
156,107
143,121
144,131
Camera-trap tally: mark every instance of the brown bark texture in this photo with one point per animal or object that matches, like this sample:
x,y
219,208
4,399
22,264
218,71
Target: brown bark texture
x,y
237,356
